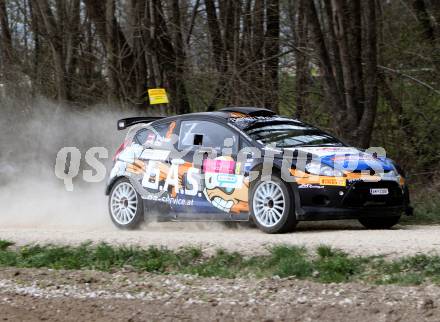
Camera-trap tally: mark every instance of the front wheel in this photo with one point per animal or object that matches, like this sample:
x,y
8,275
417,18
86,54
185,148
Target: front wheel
x,y
379,223
125,205
272,207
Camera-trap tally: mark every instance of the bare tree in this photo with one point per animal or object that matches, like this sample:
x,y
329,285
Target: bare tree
x,y
61,29
300,30
350,78
271,51
168,58
7,56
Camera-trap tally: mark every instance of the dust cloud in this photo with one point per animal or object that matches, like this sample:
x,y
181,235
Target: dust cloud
x,y
31,134
31,196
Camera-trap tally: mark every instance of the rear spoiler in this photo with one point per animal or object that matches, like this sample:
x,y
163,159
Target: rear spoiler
x,y
125,123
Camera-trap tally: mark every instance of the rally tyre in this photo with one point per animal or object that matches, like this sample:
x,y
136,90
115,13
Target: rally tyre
x,y
379,223
125,205
272,207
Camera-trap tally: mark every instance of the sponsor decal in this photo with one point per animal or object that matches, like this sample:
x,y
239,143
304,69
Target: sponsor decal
x,y
310,186
248,165
131,153
156,155
171,200
237,115
225,190
150,138
353,157
219,166
171,177
238,168
332,181
231,181
327,151
170,130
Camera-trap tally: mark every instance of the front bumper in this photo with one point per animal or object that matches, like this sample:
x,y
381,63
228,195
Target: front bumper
x,y
353,201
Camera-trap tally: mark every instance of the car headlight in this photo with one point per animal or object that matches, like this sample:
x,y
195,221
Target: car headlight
x,y
320,169
393,175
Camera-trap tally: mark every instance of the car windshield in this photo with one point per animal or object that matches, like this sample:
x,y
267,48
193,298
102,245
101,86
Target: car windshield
x,y
285,133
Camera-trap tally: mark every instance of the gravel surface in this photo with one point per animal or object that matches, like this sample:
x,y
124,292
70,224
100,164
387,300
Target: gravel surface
x,y
39,295
50,295
348,236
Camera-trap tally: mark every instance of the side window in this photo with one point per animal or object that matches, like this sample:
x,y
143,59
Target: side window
x,y
141,136
155,136
162,129
207,134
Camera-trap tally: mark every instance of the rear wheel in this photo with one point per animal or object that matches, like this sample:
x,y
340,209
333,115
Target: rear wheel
x,y
379,223
272,207
125,205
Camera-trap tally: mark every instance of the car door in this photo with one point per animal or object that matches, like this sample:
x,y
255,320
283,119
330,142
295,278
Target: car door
x,y
154,161
211,153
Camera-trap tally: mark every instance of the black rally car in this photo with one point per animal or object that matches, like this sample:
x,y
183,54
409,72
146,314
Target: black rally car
x,y
241,164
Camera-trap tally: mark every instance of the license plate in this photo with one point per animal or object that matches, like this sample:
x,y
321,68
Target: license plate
x,y
381,191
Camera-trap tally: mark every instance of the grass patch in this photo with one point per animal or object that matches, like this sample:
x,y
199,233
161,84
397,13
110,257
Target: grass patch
x,y
328,265
290,261
4,244
336,266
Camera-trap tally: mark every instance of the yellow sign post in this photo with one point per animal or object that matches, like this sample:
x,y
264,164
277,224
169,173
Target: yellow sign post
x,y
158,96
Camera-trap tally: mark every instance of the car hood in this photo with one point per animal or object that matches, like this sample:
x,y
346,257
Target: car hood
x,y
345,158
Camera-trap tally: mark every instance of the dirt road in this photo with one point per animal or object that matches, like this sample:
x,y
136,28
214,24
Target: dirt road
x,y
42,295
50,295
349,236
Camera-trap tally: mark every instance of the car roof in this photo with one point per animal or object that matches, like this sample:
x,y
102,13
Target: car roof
x,y
223,114
226,113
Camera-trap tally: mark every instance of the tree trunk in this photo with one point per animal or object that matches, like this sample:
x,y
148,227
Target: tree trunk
x,y
167,58
55,38
334,98
424,19
371,76
272,50
218,51
153,73
110,42
258,50
6,45
341,27
35,27
138,8
71,51
181,94
430,27
355,43
216,36
349,69
119,54
301,59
